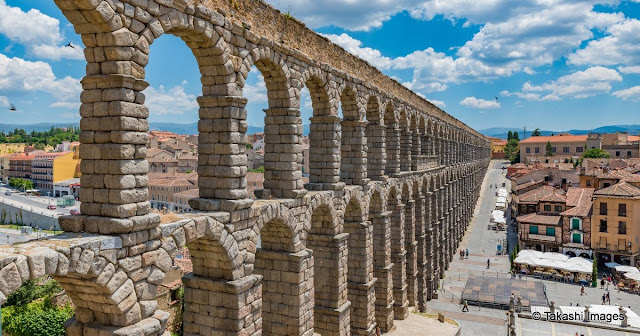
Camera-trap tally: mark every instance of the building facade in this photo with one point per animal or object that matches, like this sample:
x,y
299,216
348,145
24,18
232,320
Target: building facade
x,y
565,147
47,169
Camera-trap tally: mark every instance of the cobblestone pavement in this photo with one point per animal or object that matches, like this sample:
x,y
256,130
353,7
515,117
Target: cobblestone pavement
x,y
526,327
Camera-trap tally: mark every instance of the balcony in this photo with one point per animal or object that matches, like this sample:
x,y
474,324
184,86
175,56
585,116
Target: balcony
x,y
542,238
427,162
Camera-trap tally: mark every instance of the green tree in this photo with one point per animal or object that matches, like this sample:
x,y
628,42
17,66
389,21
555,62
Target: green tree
x,y
536,132
595,153
509,135
594,272
516,135
512,151
549,149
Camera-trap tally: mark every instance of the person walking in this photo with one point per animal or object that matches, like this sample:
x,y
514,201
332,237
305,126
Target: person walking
x,y
582,292
604,299
465,307
608,299
488,263
467,252
602,283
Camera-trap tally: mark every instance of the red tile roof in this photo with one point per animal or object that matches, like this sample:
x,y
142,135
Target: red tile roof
x,y
534,218
555,138
622,189
580,201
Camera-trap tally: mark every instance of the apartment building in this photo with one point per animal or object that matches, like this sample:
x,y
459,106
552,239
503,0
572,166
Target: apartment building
x,y
616,223
50,168
564,147
20,165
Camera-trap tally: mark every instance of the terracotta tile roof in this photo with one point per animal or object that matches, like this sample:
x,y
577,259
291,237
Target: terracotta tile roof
x,y
555,196
179,182
580,201
534,218
622,189
555,139
533,196
528,184
191,193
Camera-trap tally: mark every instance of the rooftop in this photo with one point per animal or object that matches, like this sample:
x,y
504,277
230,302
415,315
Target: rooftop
x,y
555,138
622,189
534,218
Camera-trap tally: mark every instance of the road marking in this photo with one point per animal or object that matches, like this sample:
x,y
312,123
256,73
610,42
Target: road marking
x,y
553,329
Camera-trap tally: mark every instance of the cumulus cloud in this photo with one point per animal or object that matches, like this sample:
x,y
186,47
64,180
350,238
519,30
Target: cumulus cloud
x,y
4,101
438,103
629,69
354,46
474,102
17,74
580,84
256,93
170,101
632,93
620,46
43,39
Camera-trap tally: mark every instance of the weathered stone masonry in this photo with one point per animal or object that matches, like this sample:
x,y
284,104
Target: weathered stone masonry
x,y
392,184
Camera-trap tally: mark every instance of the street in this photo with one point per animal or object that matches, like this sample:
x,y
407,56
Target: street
x,y
39,203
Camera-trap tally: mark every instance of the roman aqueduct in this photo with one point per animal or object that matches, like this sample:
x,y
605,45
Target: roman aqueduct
x,y
393,184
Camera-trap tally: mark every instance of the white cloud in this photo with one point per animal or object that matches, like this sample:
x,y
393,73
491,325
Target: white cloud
x,y
17,74
580,84
620,46
66,105
629,69
172,101
474,102
40,33
256,93
4,101
354,46
438,103
632,93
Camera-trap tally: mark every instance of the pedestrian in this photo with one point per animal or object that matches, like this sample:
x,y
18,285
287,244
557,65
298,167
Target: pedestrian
x,y
582,291
602,283
608,299
467,253
488,263
604,299
465,307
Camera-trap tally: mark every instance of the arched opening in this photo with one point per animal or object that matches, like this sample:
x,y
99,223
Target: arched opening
x,y
324,138
392,141
360,275
382,268
376,157
398,253
287,304
406,141
570,254
416,143
330,269
354,141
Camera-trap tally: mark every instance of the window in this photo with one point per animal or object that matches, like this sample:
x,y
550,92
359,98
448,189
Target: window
x,y
579,149
528,150
622,227
575,223
551,231
565,149
553,149
588,183
603,225
603,208
537,150
533,229
617,153
606,185
622,210
576,238
547,207
558,208
628,154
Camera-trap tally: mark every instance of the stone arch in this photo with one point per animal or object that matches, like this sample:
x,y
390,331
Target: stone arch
x,y
107,292
392,140
375,137
353,142
276,74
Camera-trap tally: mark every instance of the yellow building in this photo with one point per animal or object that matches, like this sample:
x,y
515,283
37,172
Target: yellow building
x,y
497,148
615,223
50,168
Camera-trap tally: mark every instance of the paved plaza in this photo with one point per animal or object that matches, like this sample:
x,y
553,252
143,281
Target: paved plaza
x,y
482,244
497,291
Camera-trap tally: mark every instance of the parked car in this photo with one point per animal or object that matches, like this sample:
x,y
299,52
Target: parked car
x,y
51,207
7,193
74,212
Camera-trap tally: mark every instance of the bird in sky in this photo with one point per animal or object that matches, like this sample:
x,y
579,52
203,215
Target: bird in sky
x,y
496,98
12,108
70,45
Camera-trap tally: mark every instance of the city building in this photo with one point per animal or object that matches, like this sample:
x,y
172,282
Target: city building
x,y
165,191
576,223
4,167
20,165
618,145
616,223
497,147
50,168
565,147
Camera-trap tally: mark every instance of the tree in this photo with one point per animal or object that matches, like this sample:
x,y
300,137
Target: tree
x,y
595,153
509,135
594,273
512,151
536,132
549,151
516,136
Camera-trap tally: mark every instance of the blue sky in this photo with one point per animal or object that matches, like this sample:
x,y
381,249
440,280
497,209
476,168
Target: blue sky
x,y
552,64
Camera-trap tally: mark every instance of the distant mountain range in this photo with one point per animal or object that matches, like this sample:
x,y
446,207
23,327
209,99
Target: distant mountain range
x,y
501,132
35,127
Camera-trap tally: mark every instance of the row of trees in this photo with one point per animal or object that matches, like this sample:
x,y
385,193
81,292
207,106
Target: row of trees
x,y
41,139
19,183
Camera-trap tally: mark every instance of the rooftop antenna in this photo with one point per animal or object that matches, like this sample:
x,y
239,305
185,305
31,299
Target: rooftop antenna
x,y
525,133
